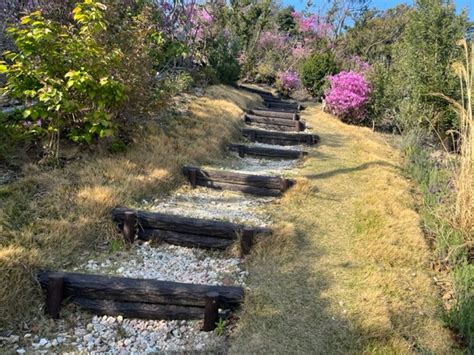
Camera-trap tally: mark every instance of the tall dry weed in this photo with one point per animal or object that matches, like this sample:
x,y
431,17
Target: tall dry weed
x,y
465,176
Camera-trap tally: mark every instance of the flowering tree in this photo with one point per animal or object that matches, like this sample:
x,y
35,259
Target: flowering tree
x,y
347,96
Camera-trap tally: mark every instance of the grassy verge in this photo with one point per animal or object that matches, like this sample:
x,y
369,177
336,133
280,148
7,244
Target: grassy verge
x,y
434,174
350,268
50,217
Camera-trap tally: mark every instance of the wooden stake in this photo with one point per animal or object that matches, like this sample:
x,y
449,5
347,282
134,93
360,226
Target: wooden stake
x,y
193,178
54,295
246,241
242,151
129,226
297,126
211,311
285,185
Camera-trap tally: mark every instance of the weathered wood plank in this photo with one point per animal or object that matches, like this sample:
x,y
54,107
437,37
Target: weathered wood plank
x,y
174,223
276,114
283,107
232,177
244,149
185,239
124,289
139,310
187,225
251,190
282,138
294,124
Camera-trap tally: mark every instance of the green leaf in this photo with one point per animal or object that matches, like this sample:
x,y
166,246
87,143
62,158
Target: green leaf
x,y
3,68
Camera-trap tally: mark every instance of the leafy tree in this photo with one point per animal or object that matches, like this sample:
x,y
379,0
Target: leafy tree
x,y
65,75
421,65
315,69
285,20
375,33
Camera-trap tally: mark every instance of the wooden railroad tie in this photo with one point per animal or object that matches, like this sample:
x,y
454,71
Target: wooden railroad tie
x,y
283,106
280,138
183,231
279,123
276,114
244,150
138,298
229,180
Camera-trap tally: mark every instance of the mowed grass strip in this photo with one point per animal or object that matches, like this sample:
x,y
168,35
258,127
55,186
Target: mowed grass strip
x,y
50,218
349,270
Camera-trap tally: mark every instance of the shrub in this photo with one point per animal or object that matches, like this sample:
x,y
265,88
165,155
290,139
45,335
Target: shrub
x,y
223,59
348,95
288,82
314,71
69,84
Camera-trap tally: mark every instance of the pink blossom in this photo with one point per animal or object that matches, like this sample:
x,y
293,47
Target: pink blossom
x,y
359,65
299,51
348,94
289,81
311,25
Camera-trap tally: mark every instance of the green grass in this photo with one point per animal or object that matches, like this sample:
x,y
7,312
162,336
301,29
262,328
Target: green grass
x,y
434,178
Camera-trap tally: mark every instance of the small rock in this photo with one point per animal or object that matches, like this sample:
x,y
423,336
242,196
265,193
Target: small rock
x,y
119,319
43,342
20,351
54,343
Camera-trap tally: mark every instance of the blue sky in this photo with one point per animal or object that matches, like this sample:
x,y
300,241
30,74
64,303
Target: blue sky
x,y
385,4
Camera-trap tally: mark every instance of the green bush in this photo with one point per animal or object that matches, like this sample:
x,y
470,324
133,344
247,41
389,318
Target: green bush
x,y
314,71
64,75
421,66
222,60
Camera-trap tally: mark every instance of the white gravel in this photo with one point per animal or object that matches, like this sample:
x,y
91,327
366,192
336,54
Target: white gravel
x,y
213,204
82,333
118,335
171,263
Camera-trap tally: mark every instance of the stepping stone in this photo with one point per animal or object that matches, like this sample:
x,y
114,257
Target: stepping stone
x,y
245,149
184,231
235,181
279,138
281,124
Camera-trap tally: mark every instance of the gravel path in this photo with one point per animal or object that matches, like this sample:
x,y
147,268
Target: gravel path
x,y
83,333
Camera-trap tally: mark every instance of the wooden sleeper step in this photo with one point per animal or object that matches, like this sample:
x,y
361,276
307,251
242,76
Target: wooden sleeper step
x,y
279,138
236,181
244,149
275,114
136,298
281,123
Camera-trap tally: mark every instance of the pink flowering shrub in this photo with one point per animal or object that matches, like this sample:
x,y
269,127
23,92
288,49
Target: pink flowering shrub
x,y
311,25
348,95
288,81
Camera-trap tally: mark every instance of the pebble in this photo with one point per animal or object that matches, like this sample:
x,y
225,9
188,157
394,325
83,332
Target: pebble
x,y
119,335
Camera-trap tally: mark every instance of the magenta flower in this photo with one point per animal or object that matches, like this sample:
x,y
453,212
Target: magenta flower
x,y
347,95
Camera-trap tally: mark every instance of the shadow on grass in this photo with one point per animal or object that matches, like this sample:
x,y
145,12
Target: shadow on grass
x,y
361,167
286,310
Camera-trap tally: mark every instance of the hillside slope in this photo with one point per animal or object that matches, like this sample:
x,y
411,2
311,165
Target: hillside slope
x,y
350,269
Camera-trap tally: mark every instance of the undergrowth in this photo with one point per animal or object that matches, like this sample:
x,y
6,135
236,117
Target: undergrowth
x,y
434,173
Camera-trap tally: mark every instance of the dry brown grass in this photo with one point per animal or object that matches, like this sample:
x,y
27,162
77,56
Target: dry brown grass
x,y
49,218
354,274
